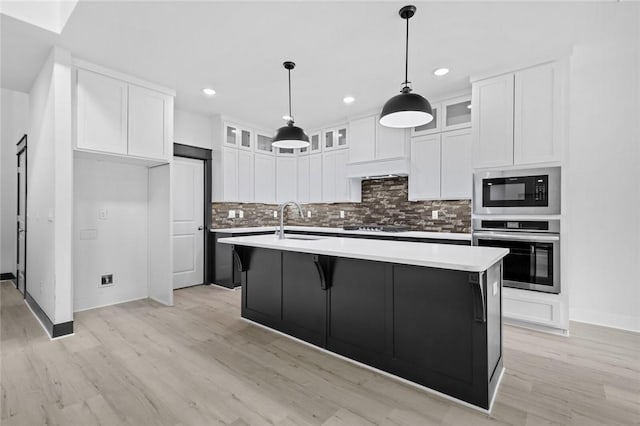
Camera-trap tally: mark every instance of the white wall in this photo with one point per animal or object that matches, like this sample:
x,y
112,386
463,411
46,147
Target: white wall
x,y
603,176
49,209
14,122
116,245
193,129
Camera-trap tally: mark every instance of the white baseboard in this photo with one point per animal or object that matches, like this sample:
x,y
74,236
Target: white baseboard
x,y
606,319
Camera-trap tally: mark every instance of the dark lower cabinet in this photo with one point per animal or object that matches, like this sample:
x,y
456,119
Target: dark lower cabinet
x,y
357,301
439,328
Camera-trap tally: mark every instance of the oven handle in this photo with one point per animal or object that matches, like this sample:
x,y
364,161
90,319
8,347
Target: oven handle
x,y
516,237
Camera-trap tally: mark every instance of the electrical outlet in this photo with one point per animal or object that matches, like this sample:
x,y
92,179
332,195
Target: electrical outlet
x,y
275,214
103,214
341,214
232,214
495,288
308,213
240,214
106,280
434,214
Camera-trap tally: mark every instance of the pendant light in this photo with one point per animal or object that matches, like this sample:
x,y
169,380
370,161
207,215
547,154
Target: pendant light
x,y
406,109
290,136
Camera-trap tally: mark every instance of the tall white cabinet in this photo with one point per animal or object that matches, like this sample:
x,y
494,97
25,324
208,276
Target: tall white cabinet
x,y
518,117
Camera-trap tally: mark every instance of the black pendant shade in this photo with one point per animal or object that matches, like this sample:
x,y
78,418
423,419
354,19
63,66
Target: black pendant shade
x,y
290,136
406,109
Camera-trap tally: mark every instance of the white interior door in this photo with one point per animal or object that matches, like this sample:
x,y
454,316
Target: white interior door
x,y
22,225
188,222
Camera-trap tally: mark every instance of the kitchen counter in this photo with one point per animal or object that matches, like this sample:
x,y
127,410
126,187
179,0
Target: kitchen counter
x,y
320,229
462,258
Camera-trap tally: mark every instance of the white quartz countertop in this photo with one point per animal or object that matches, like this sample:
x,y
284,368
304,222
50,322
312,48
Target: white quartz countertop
x,y
407,234
445,256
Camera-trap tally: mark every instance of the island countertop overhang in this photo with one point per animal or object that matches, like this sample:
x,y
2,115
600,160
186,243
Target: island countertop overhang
x,y
444,256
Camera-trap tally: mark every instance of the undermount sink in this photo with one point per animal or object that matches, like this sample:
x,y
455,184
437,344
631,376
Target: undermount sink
x,y
302,237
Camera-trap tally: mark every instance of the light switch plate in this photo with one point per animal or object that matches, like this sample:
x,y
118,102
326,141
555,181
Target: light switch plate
x,y
232,214
240,214
275,214
308,213
434,214
341,214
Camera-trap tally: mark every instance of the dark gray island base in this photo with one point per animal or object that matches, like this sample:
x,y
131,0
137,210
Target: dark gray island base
x,y
439,328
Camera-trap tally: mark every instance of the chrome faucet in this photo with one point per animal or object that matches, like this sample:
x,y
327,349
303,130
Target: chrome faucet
x,y
282,207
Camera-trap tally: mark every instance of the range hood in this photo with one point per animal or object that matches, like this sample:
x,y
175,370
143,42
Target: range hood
x,y
377,169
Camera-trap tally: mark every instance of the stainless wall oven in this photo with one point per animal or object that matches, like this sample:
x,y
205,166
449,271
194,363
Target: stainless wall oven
x,y
533,262
513,192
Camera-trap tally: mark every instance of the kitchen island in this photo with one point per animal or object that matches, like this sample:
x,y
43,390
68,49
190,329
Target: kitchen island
x,y
428,313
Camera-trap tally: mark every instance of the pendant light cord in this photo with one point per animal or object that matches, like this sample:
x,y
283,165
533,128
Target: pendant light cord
x,y
290,116
406,57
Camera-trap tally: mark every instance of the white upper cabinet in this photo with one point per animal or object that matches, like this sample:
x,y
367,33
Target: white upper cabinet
x,y
538,115
328,177
336,138
424,176
343,184
390,142
116,117
263,143
286,179
101,113
303,179
264,178
518,118
229,175
456,113
315,142
238,137
150,114
315,178
492,118
456,171
245,176
363,139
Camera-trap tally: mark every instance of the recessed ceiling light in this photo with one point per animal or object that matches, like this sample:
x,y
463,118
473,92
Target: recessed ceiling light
x,y
208,91
439,72
287,117
469,106
348,99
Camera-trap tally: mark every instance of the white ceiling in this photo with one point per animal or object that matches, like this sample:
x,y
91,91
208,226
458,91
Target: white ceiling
x,y
341,48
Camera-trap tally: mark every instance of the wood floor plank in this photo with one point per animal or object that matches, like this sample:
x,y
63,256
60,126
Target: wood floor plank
x,y
199,363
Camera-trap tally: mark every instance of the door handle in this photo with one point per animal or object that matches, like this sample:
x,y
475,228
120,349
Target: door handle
x,y
200,228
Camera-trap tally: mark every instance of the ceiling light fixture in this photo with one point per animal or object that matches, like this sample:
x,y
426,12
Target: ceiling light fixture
x,y
208,91
348,99
290,136
406,109
441,72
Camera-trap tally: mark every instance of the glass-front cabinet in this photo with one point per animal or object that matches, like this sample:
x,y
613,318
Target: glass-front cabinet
x,y
451,114
456,113
263,143
335,138
238,137
315,144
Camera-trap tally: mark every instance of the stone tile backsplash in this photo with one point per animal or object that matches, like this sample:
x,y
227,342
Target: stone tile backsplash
x,y
384,202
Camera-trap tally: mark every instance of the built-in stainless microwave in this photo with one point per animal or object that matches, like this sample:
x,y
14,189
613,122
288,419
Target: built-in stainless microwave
x,y
514,192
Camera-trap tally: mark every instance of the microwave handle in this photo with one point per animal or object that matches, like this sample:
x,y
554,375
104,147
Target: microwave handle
x,y
516,237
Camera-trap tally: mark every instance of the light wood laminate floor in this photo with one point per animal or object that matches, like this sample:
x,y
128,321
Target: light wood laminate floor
x,y
198,363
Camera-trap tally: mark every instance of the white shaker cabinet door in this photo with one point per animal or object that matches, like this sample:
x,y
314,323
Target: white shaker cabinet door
x,y
538,114
390,142
229,174
363,139
148,128
101,113
286,174
342,192
492,122
424,176
456,170
329,177
245,176
264,178
303,179
315,178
